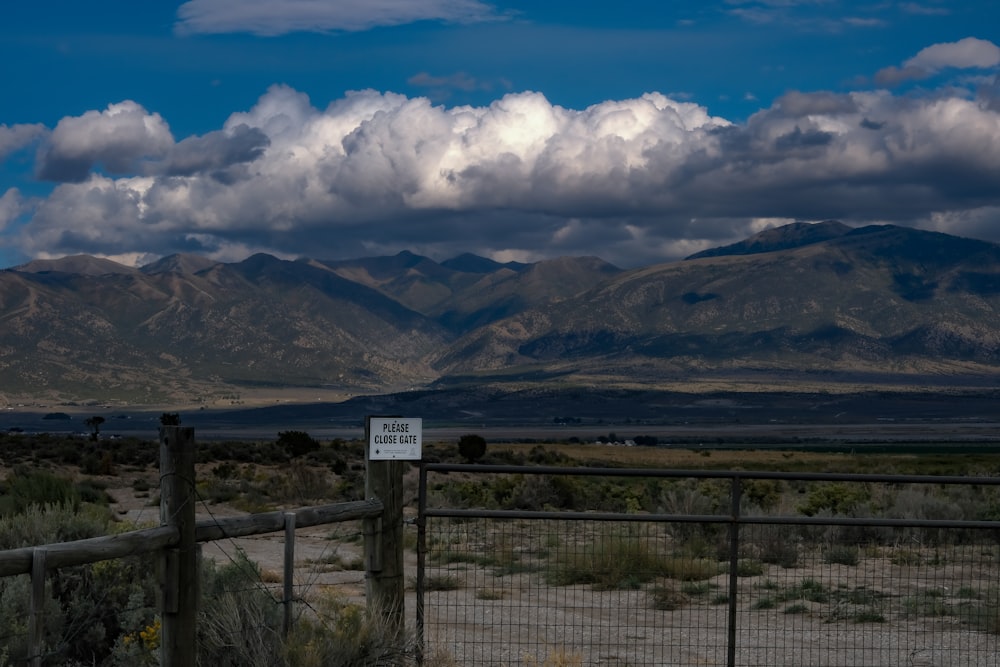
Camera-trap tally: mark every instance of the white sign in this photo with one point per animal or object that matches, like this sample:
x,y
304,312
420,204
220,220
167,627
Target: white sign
x,y
395,438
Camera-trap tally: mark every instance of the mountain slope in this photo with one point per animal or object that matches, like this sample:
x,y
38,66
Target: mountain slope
x,y
262,321
825,301
790,236
880,299
469,291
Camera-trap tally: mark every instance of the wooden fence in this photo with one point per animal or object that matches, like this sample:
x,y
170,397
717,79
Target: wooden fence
x,y
177,537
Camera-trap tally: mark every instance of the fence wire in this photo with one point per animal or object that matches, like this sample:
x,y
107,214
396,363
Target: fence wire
x,y
521,592
524,588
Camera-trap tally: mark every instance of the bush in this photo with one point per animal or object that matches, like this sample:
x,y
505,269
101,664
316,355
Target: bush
x,y
842,555
838,498
87,608
667,597
33,488
343,634
239,621
472,447
297,443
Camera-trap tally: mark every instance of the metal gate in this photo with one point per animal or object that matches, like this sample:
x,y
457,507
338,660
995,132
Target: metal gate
x,y
712,575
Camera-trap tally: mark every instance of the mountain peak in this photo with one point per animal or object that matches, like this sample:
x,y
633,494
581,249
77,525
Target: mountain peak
x,y
179,263
469,263
786,237
85,265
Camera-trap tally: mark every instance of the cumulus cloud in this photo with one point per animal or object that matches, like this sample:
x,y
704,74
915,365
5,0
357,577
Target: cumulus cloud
x,y
269,18
126,139
12,204
634,181
16,137
968,53
116,138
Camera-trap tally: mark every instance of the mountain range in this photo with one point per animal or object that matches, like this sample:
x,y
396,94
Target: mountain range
x,y
814,303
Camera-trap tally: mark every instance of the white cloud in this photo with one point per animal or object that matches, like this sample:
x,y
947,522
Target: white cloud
x,y
968,53
11,206
116,138
634,181
924,10
16,137
268,17
965,53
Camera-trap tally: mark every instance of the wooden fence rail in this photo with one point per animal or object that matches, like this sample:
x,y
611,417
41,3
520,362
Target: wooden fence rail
x,y
178,604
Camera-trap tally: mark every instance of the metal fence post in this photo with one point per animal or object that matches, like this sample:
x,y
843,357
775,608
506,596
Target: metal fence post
x,y
289,591
179,586
421,561
734,563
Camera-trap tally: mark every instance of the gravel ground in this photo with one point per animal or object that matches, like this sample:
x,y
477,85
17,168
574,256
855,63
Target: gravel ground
x,y
518,620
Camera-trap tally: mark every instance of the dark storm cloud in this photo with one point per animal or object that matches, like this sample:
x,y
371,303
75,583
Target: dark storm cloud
x,y
215,151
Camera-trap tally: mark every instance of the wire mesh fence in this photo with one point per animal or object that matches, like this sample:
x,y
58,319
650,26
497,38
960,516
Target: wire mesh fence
x,y
513,587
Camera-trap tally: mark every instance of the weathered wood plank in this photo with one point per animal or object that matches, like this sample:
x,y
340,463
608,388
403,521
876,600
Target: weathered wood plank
x,y
146,540
90,550
209,530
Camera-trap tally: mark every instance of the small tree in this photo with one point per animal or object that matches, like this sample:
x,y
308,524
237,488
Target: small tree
x,y
94,424
472,447
170,419
297,443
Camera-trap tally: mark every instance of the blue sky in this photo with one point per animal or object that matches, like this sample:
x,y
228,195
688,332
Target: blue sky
x,y
638,131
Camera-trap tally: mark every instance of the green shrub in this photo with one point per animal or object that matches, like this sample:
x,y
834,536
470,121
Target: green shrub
x,y
442,582
807,589
868,616
297,443
842,555
697,588
666,597
88,608
777,548
239,620
489,594
343,634
927,603
749,567
983,613
26,488
472,447
687,568
614,560
838,498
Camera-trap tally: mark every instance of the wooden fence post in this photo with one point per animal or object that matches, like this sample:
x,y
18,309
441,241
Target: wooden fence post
x,y
384,583
179,585
36,613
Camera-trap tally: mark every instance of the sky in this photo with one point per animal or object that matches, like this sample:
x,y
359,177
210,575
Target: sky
x,y
639,131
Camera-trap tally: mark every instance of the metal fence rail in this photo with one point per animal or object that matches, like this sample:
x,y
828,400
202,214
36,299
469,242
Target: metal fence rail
x,y
912,581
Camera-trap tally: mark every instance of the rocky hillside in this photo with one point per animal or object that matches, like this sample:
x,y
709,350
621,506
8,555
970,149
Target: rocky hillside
x,y
820,300
881,299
